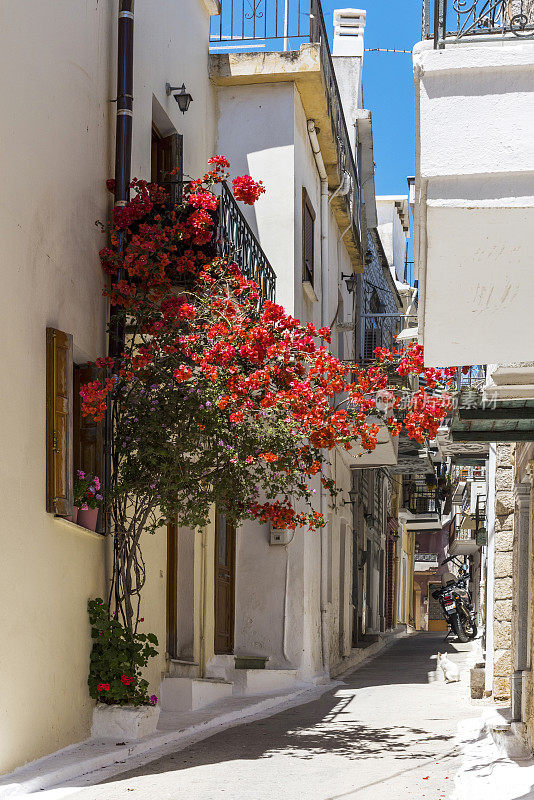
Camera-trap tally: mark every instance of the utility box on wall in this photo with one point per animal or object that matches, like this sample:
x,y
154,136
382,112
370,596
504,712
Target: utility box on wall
x,y
280,536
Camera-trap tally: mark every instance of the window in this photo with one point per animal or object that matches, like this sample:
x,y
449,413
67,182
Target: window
x,y
72,442
59,470
167,155
308,224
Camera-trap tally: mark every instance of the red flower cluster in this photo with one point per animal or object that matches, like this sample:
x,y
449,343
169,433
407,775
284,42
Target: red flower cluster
x,y
103,687
247,189
200,332
126,680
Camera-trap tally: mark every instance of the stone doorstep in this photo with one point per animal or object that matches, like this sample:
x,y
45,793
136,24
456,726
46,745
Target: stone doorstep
x,y
509,737
190,694
90,756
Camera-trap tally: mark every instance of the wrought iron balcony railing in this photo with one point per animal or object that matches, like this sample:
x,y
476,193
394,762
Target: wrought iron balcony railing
x,y
245,25
382,330
421,499
447,21
480,512
238,242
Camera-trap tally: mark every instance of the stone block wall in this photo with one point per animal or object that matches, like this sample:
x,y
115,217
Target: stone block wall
x,y
504,570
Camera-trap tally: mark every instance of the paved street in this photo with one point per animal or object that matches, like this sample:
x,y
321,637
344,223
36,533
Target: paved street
x,y
387,732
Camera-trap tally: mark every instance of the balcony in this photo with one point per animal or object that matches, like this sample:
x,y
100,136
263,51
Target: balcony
x,y
447,21
426,562
473,181
421,505
237,241
384,330
271,42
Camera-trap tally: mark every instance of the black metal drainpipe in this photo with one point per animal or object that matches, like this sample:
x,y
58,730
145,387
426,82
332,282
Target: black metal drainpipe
x,y
123,138
123,158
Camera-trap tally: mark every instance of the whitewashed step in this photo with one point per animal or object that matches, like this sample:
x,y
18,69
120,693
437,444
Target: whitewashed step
x,y
220,666
190,694
180,668
263,681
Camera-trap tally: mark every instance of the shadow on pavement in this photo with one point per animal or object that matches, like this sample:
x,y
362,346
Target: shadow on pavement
x,y
329,725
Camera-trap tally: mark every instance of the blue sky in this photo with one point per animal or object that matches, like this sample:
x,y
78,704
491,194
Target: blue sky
x,y
388,85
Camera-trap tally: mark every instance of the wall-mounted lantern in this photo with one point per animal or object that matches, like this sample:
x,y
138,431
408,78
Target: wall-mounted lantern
x,y
182,96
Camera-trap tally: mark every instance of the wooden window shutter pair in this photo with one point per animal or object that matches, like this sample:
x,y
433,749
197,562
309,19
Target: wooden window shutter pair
x,y
168,155
308,222
59,467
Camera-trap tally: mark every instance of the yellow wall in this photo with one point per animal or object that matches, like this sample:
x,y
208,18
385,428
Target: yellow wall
x,y
57,129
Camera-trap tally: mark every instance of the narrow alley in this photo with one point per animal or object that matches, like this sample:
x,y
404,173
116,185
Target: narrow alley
x,y
387,730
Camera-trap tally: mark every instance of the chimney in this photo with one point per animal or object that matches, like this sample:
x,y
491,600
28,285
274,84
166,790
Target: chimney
x,y
347,57
349,25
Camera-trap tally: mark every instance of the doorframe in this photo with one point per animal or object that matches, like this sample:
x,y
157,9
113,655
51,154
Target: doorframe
x,y
231,528
172,590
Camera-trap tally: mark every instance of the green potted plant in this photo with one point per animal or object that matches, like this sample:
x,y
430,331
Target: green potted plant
x,y
124,708
87,499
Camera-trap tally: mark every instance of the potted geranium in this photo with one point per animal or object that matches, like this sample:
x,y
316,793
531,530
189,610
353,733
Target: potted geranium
x,y
124,707
87,499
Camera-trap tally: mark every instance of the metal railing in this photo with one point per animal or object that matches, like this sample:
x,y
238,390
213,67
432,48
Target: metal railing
x,y
421,499
245,25
480,512
455,20
381,330
237,241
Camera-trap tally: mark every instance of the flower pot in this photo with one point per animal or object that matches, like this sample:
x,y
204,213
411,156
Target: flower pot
x,y
88,519
74,516
124,723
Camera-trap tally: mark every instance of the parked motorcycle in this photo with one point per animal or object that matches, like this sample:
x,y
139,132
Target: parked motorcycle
x,y
457,603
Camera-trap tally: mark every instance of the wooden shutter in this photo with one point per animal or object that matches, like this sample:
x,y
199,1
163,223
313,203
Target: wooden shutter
x,y
167,155
59,471
87,434
308,221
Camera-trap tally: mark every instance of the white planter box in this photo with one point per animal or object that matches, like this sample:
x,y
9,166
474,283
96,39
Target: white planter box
x,y
124,723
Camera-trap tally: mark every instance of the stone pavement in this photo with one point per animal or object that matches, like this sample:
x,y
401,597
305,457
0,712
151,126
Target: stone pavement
x,y
389,731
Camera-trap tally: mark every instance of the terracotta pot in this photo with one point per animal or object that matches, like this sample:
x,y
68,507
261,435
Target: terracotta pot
x,y
74,516
88,519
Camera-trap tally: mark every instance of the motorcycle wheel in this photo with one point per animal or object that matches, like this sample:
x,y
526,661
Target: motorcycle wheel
x,y
458,628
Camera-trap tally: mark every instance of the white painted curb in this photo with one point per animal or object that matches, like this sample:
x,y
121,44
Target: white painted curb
x,y
72,762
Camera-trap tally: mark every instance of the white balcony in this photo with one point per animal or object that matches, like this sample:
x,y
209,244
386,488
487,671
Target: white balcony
x,y
474,199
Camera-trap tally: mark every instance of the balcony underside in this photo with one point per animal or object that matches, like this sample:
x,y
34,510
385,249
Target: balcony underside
x,y
499,421
303,68
479,280
463,547
422,522
467,454
384,454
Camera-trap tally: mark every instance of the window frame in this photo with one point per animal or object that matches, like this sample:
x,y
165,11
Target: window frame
x,y
308,275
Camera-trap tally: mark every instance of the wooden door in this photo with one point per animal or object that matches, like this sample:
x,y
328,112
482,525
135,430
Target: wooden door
x,y
172,589
224,584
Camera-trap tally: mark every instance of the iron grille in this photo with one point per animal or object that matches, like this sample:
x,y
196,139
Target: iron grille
x,y
381,330
454,20
237,241
419,499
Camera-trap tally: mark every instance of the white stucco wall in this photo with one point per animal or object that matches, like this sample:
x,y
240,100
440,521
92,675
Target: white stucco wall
x,y
475,200
274,147
391,231
57,128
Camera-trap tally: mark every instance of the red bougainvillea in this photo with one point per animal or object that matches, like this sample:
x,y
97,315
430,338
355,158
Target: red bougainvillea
x,y
216,400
